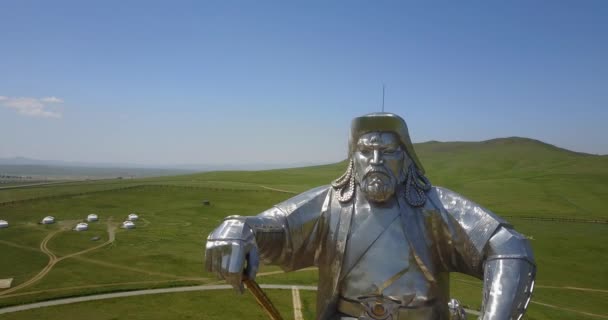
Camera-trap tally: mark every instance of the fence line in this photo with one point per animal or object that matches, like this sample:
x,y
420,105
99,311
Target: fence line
x,y
143,186
161,186
559,219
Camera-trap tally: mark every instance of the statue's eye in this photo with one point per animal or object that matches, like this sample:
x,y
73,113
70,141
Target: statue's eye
x,y
390,151
366,151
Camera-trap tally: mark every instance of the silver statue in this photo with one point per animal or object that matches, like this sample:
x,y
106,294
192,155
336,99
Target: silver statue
x,y
383,238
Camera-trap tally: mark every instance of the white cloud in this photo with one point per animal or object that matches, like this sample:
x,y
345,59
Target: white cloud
x,y
32,107
51,100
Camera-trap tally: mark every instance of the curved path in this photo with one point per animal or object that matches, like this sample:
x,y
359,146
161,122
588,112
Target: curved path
x,y
277,190
601,316
53,259
59,302
478,284
111,238
571,310
176,278
136,293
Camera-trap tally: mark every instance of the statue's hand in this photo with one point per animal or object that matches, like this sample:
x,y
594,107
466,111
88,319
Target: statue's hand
x,y
231,252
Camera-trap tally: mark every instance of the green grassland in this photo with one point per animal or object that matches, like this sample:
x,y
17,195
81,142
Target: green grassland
x,y
6,184
45,171
211,305
517,178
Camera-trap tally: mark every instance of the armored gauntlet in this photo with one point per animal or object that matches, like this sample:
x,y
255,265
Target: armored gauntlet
x,y
235,246
230,250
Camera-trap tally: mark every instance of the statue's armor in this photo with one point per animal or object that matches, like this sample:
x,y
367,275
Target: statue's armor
x,y
369,272
389,260
414,250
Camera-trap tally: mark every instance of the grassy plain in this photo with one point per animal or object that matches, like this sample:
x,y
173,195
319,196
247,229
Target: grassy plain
x,y
517,178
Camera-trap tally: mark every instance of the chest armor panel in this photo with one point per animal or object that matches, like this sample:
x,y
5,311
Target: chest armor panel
x,y
378,261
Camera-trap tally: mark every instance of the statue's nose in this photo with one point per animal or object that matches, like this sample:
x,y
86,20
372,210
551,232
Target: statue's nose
x,y
376,158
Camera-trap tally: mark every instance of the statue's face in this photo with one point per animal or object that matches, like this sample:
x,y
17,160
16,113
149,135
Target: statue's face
x,y
378,162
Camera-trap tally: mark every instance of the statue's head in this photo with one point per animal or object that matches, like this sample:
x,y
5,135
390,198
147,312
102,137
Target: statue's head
x,y
381,157
378,159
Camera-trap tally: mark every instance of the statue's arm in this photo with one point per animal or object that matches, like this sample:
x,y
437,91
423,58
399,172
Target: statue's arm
x,y
479,243
287,234
509,273
284,235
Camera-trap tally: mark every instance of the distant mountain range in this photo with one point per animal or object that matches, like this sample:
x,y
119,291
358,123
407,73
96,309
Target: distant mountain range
x,y
23,161
56,169
510,147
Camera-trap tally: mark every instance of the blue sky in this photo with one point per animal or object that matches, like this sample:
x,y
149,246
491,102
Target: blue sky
x,y
227,82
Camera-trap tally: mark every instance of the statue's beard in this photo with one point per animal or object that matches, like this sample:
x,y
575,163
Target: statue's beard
x,y
378,185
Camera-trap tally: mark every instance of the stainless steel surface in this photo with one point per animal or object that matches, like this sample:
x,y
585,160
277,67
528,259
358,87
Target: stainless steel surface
x,y
508,277
230,248
376,230
383,122
456,310
382,308
381,232
378,161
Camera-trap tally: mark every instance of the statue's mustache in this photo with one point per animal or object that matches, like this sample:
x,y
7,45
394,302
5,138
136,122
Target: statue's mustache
x,y
378,184
372,170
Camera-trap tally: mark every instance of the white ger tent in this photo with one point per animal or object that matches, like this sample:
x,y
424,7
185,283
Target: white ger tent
x,y
83,226
48,220
128,225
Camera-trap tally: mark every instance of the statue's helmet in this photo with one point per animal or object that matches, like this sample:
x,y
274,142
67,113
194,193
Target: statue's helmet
x,y
383,122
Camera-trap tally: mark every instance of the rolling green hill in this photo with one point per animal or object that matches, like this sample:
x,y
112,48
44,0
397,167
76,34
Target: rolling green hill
x,y
521,179
512,176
